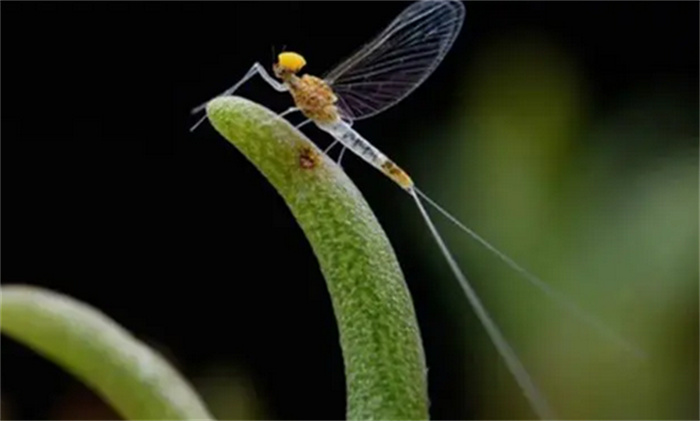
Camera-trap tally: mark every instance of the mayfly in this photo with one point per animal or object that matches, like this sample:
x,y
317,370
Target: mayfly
x,y
374,79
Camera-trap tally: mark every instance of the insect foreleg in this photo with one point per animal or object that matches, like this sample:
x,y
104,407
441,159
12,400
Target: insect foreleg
x,y
256,68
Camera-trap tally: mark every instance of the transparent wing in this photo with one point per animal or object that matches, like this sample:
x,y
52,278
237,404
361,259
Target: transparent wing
x,y
398,60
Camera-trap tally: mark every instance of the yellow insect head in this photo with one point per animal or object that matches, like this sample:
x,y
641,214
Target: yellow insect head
x,y
291,62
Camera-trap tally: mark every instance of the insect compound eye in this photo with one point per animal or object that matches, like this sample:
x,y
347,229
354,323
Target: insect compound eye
x,y
290,61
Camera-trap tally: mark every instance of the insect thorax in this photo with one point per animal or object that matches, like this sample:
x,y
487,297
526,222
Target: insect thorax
x,y
314,98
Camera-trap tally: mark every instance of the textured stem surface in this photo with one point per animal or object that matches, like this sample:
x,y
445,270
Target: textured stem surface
x,y
134,379
384,360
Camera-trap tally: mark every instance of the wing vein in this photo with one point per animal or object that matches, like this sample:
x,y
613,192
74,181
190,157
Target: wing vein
x,y
398,60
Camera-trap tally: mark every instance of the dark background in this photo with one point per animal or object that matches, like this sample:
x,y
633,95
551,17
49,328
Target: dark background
x,y
108,198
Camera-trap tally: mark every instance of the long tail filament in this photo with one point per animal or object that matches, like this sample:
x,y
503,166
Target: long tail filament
x,y
540,284
537,400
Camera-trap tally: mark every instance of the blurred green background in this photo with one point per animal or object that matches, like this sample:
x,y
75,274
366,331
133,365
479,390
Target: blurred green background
x,y
601,202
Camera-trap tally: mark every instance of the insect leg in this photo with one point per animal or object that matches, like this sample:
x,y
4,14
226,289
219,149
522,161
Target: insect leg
x,y
340,157
303,123
290,110
328,149
347,121
257,68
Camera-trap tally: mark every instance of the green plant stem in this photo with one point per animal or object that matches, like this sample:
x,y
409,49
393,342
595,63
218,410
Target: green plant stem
x,y
384,360
133,378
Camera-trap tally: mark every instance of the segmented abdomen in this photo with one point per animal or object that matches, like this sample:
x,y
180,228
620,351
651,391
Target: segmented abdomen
x,y
360,146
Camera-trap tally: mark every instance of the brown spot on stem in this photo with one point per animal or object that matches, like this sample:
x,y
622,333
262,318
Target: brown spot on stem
x,y
308,158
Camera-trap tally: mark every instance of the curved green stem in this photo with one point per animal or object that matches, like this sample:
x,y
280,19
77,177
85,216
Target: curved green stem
x,y
384,360
134,379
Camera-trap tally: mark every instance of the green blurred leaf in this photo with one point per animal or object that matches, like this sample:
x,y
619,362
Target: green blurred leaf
x,y
138,382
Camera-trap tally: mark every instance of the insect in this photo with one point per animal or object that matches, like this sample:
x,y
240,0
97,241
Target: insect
x,y
375,78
